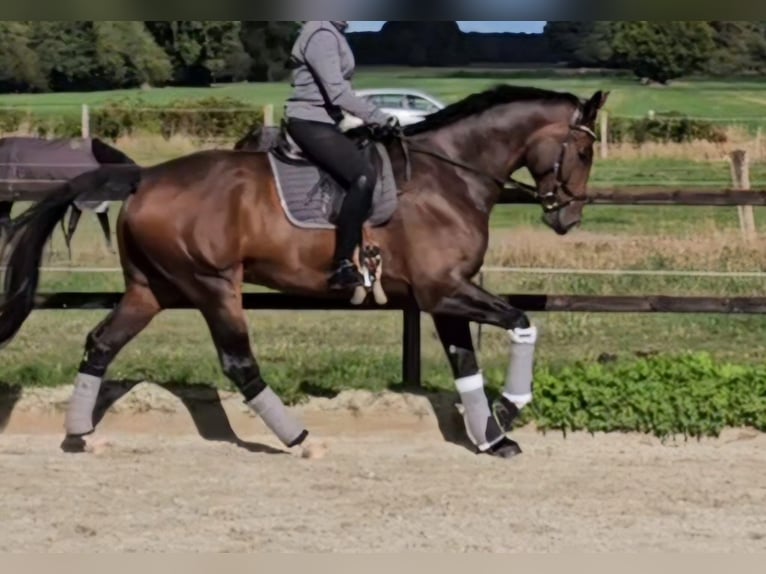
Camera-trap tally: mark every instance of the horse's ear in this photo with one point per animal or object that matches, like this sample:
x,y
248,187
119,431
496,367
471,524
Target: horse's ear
x,y
593,105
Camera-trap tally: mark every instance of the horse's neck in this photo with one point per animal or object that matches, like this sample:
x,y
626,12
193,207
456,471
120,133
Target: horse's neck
x,y
494,144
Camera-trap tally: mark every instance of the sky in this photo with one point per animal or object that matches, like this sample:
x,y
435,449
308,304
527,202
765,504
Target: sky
x,y
465,25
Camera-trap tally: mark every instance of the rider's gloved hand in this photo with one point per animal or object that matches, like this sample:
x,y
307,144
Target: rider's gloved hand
x,y
392,126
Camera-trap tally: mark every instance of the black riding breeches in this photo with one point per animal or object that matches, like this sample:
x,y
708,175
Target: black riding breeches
x,y
325,145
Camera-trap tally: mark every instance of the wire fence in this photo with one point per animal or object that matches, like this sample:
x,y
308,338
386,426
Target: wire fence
x,y
518,270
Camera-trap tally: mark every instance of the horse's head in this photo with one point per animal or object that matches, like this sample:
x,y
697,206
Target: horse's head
x,y
496,132
559,158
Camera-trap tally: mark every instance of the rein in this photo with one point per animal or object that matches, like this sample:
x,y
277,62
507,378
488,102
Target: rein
x,y
529,189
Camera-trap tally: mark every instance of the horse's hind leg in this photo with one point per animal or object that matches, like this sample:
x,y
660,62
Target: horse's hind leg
x,y
134,312
483,429
221,306
103,220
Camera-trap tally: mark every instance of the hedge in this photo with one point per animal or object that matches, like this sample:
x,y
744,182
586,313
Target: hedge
x,y
212,117
667,128
225,117
689,395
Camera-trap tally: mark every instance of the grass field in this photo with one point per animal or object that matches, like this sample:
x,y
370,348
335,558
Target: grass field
x,y
725,100
177,346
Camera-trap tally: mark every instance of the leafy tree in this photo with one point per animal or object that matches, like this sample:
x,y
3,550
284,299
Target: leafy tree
x,y
581,43
268,44
425,43
596,47
100,55
201,51
127,55
740,46
19,64
662,51
66,52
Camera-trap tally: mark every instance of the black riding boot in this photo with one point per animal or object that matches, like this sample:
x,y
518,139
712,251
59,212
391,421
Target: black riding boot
x,y
353,212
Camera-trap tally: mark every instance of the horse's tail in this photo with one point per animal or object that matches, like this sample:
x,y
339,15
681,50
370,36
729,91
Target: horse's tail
x,y
30,231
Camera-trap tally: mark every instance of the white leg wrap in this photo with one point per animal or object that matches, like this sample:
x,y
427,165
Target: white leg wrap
x,y
518,381
480,424
273,412
79,414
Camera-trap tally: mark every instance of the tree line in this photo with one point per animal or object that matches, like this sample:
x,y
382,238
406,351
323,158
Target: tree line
x,y
661,51
658,51
38,56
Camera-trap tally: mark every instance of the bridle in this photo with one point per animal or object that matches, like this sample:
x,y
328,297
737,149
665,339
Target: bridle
x,y
549,200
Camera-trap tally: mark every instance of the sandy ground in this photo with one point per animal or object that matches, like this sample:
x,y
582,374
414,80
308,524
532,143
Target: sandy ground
x,y
393,479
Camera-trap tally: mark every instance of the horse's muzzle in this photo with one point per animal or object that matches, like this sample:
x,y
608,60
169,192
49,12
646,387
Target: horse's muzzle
x,y
561,220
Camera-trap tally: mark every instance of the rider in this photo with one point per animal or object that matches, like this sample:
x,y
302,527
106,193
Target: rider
x,y
323,65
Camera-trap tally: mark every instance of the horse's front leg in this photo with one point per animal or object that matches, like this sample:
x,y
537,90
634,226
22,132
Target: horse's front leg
x,y
452,314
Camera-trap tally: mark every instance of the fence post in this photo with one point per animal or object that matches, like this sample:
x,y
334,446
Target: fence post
x,y
740,175
604,134
268,115
479,329
85,121
758,136
411,345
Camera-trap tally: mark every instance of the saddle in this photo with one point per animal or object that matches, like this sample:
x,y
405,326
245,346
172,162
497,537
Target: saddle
x,y
311,198
277,141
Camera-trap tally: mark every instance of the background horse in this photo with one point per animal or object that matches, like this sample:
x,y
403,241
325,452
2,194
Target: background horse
x,y
27,160
192,230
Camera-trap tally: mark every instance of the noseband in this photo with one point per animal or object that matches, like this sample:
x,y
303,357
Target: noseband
x,y
549,200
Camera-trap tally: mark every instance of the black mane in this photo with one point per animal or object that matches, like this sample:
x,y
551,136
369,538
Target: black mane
x,y
482,101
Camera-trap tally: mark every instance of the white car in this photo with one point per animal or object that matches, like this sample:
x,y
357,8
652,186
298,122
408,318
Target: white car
x,y
410,106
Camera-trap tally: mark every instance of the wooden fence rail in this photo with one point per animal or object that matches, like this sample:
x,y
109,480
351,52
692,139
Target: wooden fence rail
x,y
411,316
622,195
411,352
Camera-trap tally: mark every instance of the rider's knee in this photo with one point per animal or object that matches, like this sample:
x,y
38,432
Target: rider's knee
x,y
366,182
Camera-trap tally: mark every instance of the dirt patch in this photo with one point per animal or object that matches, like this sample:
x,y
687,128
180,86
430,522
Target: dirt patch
x,y
183,410
390,482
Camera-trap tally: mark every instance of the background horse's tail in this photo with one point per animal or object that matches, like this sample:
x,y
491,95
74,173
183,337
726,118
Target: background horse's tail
x,y
30,231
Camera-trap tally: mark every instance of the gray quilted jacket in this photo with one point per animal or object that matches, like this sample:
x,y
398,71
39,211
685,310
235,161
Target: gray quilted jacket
x,y
321,46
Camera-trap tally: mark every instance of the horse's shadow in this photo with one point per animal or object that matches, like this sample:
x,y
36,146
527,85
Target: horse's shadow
x,y
449,420
201,401
9,396
212,423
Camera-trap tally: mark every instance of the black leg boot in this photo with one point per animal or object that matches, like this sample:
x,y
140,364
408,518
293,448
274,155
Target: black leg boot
x,y
356,206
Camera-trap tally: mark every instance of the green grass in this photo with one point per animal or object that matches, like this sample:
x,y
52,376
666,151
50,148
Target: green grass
x,y
741,99
322,352
674,220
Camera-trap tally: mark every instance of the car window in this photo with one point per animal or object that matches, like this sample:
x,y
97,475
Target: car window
x,y
390,101
420,104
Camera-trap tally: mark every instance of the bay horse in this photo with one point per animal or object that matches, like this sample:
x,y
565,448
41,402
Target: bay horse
x,y
193,229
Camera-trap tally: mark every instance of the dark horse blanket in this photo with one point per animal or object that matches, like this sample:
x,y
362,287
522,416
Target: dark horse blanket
x,y
25,160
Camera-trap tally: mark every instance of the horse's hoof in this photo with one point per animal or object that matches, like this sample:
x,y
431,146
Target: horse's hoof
x,y
506,448
90,443
73,444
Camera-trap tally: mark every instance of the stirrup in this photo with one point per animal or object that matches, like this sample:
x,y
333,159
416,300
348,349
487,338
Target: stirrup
x,y
345,276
